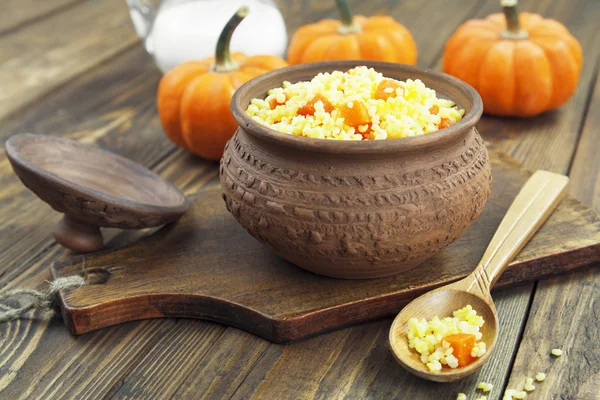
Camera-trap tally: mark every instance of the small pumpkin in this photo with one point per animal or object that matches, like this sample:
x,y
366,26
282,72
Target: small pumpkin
x,y
378,38
193,98
521,64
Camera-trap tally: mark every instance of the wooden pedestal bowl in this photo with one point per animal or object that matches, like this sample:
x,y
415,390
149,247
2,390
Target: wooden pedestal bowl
x,y
93,188
350,209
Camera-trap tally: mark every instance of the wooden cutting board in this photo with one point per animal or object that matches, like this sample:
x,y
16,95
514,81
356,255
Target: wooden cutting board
x,y
207,266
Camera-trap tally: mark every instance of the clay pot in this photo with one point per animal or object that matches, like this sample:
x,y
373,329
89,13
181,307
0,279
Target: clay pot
x,y
356,209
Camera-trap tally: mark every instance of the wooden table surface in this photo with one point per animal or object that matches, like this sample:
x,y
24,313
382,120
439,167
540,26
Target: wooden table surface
x,y
76,69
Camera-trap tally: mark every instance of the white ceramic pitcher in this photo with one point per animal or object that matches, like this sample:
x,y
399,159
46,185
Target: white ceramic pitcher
x,y
175,31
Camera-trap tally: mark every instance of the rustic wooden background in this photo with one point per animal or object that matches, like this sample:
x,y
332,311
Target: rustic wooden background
x,y
75,68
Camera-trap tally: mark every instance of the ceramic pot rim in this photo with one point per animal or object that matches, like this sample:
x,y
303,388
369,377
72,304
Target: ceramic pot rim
x,y
436,80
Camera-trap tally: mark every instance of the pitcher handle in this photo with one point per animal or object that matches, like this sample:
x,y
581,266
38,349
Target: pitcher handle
x,y
142,14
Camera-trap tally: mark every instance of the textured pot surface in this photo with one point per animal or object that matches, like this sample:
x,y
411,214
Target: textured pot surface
x,y
356,209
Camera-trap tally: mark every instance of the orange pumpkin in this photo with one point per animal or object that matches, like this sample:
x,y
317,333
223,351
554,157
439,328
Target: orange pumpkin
x,y
378,38
521,65
193,98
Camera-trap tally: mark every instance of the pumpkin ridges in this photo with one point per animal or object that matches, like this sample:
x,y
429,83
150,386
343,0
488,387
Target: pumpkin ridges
x,y
299,45
530,20
307,43
297,54
198,112
376,47
346,48
242,76
236,80
545,31
319,48
497,79
564,69
545,54
574,47
462,40
406,48
463,36
306,35
532,79
465,62
548,27
170,91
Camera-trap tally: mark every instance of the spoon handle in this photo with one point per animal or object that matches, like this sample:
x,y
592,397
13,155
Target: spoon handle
x,y
533,205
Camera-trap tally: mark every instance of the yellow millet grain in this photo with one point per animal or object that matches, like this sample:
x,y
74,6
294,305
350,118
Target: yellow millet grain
x,y
426,337
485,387
529,386
406,114
557,352
540,377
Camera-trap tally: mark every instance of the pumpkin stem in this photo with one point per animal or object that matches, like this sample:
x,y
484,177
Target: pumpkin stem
x,y
513,28
348,24
223,61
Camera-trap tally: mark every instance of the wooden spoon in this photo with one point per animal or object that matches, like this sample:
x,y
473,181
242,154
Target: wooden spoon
x,y
535,202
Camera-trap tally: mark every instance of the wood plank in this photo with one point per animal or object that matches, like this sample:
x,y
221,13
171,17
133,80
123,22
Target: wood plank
x,y
17,13
585,171
358,364
564,314
170,352
40,57
223,373
80,363
36,348
199,374
570,305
